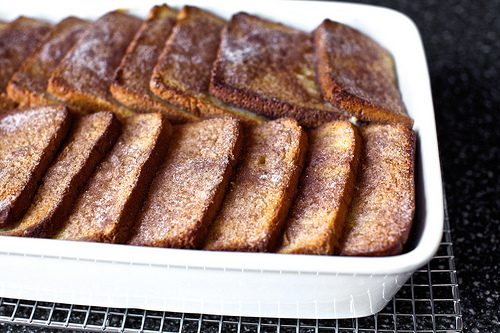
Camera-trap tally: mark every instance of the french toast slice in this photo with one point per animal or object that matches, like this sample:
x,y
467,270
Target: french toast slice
x,y
182,75
316,219
6,104
268,68
358,75
255,207
29,139
383,204
105,211
131,82
83,77
188,189
18,39
28,86
91,137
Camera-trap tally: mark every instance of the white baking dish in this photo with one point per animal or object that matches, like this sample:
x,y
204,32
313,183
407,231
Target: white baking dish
x,y
242,284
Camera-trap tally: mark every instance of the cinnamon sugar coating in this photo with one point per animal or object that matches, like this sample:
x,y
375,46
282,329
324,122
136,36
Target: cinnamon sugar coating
x,y
29,140
255,207
188,189
105,211
316,219
383,205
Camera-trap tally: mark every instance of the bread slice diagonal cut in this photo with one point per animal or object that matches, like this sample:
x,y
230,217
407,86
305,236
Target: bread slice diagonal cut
x,y
28,86
91,137
29,140
83,77
106,209
131,82
188,189
182,74
358,75
383,204
316,220
268,68
255,207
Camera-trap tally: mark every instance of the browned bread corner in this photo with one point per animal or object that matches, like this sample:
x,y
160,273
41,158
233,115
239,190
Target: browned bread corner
x,y
18,39
83,77
357,75
255,207
91,138
105,211
29,139
28,86
131,82
182,74
316,220
268,68
188,189
383,205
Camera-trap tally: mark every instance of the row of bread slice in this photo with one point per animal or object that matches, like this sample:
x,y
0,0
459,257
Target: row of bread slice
x,y
214,184
192,64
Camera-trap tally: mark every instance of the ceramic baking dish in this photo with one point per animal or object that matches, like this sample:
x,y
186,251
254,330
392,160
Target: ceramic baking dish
x,y
242,284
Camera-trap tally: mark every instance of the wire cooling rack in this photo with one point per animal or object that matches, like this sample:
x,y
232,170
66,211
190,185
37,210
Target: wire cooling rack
x,y
428,302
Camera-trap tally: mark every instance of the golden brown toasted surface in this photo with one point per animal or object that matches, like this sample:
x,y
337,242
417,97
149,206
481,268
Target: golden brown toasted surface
x,y
262,190
29,140
188,189
131,82
316,219
83,77
18,40
358,75
383,205
91,138
182,74
106,209
268,68
28,86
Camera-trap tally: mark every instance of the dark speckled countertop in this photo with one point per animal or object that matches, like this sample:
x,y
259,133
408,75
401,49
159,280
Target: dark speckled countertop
x,y
462,41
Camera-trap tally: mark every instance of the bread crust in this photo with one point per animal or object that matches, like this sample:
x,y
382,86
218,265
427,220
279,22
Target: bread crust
x,y
131,81
83,77
182,75
188,189
383,204
19,39
255,207
316,220
105,211
268,68
29,139
28,86
358,75
91,138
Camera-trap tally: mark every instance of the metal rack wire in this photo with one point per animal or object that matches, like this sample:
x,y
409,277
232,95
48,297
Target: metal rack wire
x,y
428,302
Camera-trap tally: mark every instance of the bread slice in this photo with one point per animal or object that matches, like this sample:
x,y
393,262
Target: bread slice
x,y
188,189
357,75
29,140
131,82
316,219
28,86
268,68
92,136
18,39
83,77
253,211
182,74
383,205
106,209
